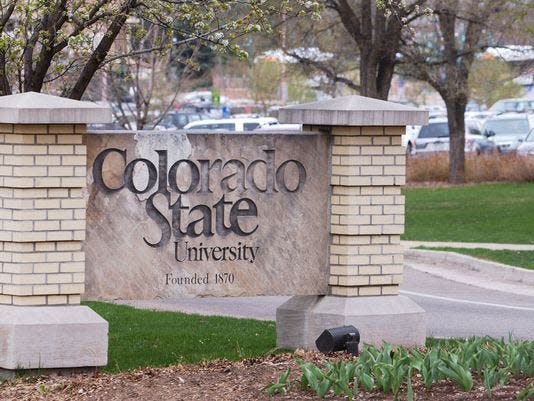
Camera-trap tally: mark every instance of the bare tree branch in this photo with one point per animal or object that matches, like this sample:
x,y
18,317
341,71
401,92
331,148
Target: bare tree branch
x,y
324,69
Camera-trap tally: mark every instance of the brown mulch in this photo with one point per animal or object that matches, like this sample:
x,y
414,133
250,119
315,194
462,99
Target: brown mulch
x,y
222,380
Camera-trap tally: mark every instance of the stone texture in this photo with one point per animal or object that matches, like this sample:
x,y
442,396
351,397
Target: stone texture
x,y
51,337
393,319
292,233
353,111
39,108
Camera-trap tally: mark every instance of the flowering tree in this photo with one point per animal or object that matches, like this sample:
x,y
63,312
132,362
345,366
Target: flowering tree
x,y
61,44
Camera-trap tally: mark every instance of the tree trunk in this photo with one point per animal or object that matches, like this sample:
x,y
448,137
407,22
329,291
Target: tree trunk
x,y
367,74
455,115
5,87
376,75
377,38
36,80
377,61
386,67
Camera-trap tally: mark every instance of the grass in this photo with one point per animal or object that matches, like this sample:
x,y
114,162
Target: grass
x,y
141,338
499,213
523,259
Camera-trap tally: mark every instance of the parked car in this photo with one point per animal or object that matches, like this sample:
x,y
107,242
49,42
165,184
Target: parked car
x,y
279,127
504,106
508,130
179,119
434,137
526,148
231,124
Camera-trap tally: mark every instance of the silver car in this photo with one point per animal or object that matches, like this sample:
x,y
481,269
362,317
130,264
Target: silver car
x,y
434,137
508,130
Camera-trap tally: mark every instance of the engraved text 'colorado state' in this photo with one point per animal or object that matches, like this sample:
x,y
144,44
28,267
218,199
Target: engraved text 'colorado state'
x,y
187,177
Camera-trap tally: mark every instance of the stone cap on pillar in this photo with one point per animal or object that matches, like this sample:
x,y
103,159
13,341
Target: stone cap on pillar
x,y
39,108
355,111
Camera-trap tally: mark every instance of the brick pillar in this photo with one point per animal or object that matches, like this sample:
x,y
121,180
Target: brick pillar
x,y
42,219
367,210
366,215
42,214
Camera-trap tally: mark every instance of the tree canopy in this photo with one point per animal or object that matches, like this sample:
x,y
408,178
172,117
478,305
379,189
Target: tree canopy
x,y
364,38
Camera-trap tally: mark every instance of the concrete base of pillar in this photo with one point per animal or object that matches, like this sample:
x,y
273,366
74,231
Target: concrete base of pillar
x,y
394,319
51,337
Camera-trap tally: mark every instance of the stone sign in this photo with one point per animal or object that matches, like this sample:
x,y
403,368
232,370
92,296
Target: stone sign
x,y
176,214
317,215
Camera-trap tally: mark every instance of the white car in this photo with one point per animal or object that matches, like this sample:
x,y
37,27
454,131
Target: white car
x,y
280,127
232,124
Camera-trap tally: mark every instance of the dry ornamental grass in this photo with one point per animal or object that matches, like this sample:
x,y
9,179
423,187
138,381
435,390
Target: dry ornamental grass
x,y
483,168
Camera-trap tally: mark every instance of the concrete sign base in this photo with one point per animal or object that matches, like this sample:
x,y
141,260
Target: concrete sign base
x,y
51,337
393,319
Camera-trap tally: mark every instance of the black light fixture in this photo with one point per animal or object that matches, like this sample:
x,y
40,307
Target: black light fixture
x,y
344,338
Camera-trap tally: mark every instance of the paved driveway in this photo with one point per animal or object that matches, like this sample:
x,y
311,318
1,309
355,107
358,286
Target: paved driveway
x,y
460,310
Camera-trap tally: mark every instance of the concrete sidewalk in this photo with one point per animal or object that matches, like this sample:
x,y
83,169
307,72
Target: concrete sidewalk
x,y
469,270
468,245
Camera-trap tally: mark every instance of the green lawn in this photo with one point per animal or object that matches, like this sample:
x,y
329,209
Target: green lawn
x,y
523,259
140,338
500,213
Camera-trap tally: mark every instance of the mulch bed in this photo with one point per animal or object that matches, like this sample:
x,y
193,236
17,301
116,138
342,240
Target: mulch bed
x,y
220,380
